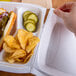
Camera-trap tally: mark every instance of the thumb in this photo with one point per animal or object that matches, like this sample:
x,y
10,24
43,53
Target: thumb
x,y
60,13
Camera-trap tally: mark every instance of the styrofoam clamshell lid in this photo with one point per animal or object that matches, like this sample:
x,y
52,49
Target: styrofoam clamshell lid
x,y
57,50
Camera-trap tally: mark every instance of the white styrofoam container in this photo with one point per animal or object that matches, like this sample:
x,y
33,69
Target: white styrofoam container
x,y
57,50
56,54
19,8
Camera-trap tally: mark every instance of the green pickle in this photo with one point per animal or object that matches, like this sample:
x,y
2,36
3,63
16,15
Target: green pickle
x,y
25,18
26,13
30,21
33,17
30,27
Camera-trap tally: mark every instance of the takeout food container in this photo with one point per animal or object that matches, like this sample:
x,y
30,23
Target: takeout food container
x,y
56,53
57,50
19,9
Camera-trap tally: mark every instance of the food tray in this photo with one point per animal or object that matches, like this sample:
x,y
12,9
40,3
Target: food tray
x,y
58,58
19,8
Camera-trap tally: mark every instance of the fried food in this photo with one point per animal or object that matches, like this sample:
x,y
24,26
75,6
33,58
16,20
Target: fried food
x,y
23,36
18,54
11,42
15,56
21,47
28,56
16,38
32,42
10,60
8,49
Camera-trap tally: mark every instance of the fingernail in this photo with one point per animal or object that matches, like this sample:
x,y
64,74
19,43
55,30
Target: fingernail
x,y
55,11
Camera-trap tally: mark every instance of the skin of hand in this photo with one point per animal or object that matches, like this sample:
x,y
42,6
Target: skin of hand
x,y
68,13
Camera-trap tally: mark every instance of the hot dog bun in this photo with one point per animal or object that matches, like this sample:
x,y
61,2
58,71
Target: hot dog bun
x,y
9,25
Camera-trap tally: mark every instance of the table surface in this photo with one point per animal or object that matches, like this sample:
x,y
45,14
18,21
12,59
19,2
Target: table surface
x,y
45,3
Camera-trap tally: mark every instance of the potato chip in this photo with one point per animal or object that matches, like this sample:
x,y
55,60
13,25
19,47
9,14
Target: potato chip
x,y
16,38
8,49
23,36
10,60
11,42
32,42
18,60
18,54
28,56
6,55
21,47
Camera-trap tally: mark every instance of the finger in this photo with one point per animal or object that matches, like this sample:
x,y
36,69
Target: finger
x,y
60,13
67,6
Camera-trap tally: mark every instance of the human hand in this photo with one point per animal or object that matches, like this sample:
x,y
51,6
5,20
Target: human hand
x,y
68,13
